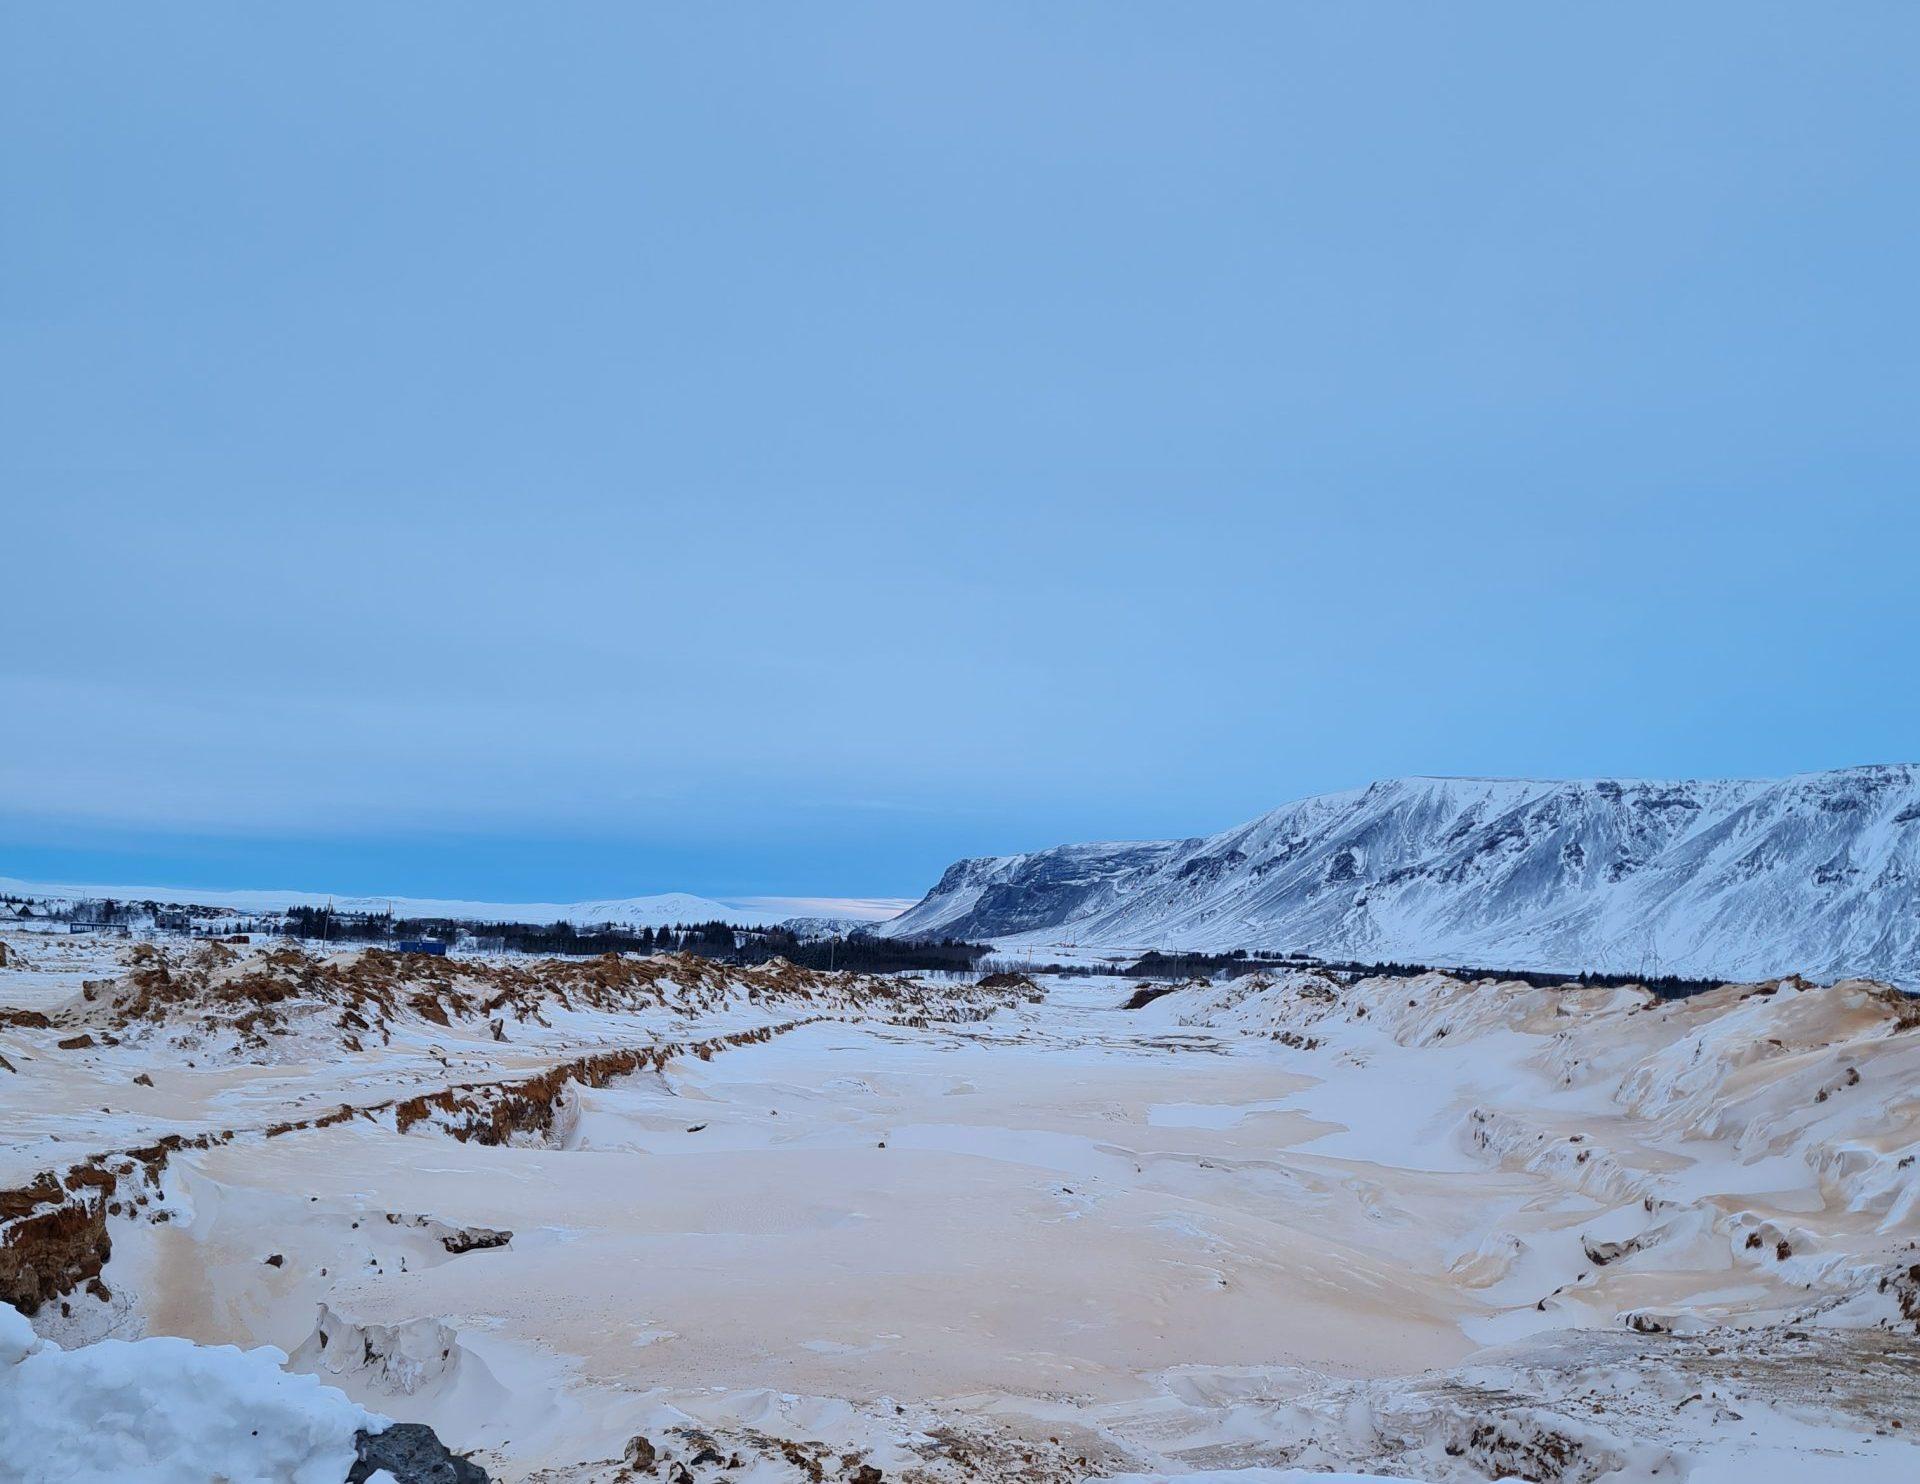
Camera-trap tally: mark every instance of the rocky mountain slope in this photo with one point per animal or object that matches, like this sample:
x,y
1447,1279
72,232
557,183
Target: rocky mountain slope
x,y
1817,874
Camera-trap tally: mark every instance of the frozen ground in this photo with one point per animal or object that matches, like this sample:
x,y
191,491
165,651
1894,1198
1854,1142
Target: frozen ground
x,y
815,1227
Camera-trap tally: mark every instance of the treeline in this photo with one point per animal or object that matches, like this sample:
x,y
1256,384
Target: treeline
x,y
717,940
1663,986
1158,965
713,939
1231,965
863,953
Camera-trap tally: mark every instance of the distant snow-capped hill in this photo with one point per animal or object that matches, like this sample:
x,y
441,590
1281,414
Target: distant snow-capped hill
x,y
631,913
1817,874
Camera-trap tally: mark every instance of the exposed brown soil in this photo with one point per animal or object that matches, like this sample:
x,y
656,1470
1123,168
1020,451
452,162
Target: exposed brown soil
x,y
52,1252
493,1112
53,1232
214,991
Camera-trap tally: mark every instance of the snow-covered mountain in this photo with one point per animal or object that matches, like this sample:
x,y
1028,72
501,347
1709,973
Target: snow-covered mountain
x,y
1817,874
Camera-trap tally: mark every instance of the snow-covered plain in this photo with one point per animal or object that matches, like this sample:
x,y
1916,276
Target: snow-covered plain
x,y
663,909
1411,1228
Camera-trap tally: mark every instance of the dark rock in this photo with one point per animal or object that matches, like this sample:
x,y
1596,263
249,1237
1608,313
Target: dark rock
x,y
413,1454
1602,1253
474,1239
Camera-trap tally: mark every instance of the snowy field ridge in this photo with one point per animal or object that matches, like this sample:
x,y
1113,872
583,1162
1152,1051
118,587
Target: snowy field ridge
x,y
662,910
1816,874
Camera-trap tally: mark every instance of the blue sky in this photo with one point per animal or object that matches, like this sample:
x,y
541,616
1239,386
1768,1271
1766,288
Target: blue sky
x,y
562,451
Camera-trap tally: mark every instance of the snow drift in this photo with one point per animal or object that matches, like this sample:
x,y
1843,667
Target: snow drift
x,y
168,1411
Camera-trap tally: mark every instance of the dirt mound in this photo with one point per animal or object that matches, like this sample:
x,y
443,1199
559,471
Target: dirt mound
x,y
251,1002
